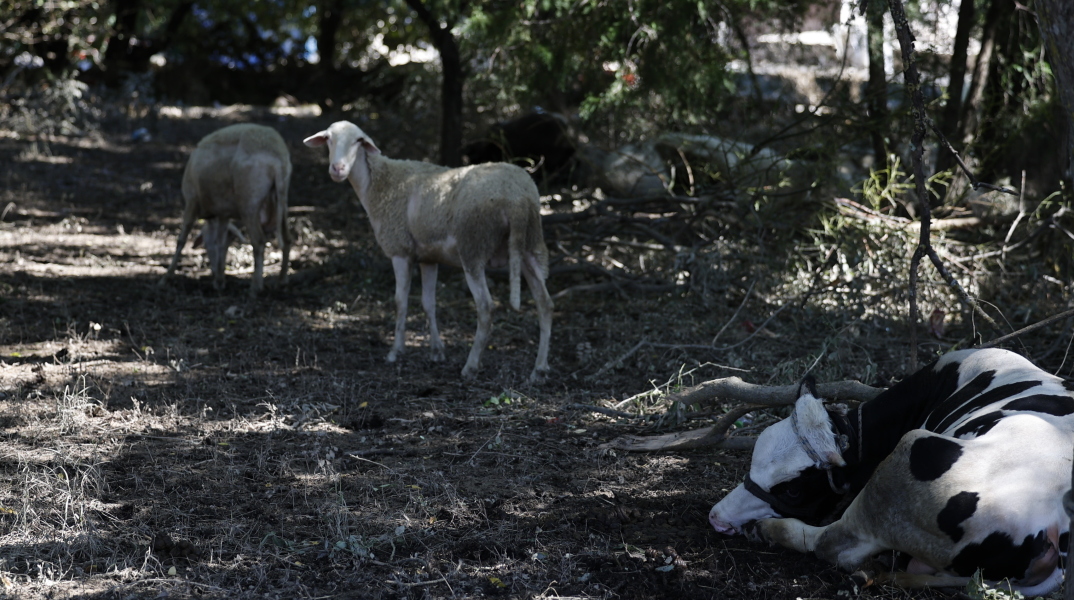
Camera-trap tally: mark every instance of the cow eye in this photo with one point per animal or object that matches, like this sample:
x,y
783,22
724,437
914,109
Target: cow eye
x,y
792,492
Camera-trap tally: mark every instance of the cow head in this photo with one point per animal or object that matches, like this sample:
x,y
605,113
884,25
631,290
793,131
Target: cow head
x,y
790,473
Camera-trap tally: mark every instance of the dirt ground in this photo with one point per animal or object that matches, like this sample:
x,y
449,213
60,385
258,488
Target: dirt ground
x,y
177,442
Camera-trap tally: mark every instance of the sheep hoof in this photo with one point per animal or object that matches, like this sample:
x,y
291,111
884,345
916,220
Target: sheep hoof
x,y
469,373
392,356
538,375
437,355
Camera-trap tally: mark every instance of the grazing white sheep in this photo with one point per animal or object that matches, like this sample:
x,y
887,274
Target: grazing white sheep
x,y
471,217
239,172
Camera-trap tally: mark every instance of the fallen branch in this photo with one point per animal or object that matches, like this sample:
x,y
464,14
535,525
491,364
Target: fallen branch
x,y
733,389
854,210
706,437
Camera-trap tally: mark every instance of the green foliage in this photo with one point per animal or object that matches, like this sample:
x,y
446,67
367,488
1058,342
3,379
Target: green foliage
x,y
664,58
978,589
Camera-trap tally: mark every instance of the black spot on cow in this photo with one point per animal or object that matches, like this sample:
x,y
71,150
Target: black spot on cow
x,y
1069,385
980,425
998,557
1059,406
808,496
932,456
960,397
990,397
1064,543
959,507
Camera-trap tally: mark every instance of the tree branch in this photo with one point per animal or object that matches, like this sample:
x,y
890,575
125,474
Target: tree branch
x,y
917,141
733,389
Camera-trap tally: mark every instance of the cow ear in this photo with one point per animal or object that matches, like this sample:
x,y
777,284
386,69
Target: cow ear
x,y
815,429
808,385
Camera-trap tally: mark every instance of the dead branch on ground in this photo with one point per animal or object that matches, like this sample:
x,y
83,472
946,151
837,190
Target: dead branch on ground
x,y
750,396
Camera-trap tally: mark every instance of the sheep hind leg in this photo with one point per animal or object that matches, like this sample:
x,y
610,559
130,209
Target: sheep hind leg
x,y
184,232
428,302
257,240
216,235
401,265
535,281
475,278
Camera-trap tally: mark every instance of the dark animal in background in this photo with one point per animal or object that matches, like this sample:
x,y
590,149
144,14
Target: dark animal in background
x,y
539,141
962,466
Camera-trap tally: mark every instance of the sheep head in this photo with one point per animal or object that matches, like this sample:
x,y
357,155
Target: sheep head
x,y
345,141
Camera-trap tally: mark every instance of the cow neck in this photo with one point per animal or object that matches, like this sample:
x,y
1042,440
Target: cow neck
x,y
899,409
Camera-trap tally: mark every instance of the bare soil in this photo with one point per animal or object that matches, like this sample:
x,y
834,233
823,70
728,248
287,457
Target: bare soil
x,y
179,442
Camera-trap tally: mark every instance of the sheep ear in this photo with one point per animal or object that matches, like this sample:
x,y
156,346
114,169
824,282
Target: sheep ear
x,y
369,146
317,139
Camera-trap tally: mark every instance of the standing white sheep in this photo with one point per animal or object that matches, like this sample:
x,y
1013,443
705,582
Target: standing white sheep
x,y
472,217
239,172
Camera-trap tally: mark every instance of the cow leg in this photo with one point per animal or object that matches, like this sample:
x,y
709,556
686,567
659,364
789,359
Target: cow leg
x,y
837,543
789,533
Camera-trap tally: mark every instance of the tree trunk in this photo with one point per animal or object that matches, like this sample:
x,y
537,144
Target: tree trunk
x,y
1056,21
994,113
876,90
949,121
328,27
125,53
968,119
451,88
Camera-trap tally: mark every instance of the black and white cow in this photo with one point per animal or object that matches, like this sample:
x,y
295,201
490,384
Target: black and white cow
x,y
962,466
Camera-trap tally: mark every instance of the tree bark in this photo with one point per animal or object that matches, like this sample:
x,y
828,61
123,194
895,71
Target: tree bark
x,y
328,27
1056,21
968,119
876,90
125,52
952,110
451,83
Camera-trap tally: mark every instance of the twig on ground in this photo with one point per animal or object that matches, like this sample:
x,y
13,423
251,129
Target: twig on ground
x,y
419,583
735,315
470,461
608,366
372,462
611,412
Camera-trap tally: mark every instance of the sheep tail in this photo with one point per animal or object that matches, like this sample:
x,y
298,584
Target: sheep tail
x,y
516,241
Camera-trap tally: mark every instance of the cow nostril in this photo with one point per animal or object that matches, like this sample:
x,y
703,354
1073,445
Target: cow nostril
x,y
721,527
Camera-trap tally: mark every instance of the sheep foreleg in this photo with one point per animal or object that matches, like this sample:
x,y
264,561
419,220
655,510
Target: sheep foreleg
x,y
428,302
401,265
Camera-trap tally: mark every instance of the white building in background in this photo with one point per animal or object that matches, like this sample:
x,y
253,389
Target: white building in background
x,y
832,43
